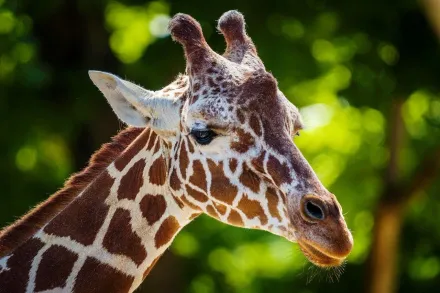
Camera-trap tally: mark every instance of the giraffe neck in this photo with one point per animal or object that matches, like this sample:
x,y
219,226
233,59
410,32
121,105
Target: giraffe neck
x,y
18,232
110,236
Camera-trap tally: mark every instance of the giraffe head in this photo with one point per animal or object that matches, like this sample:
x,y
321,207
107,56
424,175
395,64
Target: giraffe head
x,y
231,153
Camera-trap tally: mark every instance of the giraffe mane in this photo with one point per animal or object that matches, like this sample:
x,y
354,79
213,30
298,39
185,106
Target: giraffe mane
x,y
18,232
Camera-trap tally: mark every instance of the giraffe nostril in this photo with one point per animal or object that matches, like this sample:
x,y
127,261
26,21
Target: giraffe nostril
x,y
313,208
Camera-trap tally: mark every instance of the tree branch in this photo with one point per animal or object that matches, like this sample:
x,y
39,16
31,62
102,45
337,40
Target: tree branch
x,y
425,174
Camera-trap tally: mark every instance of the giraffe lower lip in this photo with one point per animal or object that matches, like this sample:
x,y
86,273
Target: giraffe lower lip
x,y
318,257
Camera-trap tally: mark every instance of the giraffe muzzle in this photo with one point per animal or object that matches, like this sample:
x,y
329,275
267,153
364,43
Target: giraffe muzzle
x,y
325,239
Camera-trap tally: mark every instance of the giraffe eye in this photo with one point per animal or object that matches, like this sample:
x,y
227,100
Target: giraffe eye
x,y
203,136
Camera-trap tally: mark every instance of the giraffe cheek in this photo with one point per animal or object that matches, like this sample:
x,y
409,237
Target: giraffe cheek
x,y
279,172
250,180
243,142
254,123
272,203
221,187
183,160
252,209
198,178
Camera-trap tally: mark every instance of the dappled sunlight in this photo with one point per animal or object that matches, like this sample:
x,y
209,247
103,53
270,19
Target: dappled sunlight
x,y
15,27
361,227
26,158
322,89
7,21
388,53
202,284
424,268
248,261
416,111
45,152
134,28
186,244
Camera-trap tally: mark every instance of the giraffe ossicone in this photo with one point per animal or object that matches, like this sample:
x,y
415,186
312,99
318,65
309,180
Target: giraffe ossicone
x,y
217,140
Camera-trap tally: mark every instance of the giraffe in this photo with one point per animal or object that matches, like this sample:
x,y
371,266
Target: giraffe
x,y
217,140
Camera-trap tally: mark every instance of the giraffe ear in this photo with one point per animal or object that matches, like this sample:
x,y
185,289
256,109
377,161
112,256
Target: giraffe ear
x,y
137,106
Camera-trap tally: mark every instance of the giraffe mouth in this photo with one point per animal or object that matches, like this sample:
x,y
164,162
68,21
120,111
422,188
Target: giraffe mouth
x,y
319,257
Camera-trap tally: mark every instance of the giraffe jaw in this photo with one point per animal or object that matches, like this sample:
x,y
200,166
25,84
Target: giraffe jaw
x,y
318,257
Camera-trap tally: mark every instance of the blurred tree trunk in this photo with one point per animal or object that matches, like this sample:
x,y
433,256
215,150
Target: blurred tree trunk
x,y
390,211
388,218
432,9
383,257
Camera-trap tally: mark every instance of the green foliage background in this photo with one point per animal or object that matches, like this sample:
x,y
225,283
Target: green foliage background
x,y
341,62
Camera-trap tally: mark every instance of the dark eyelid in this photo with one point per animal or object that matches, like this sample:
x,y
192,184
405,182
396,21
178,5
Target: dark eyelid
x,y
207,128
219,131
218,128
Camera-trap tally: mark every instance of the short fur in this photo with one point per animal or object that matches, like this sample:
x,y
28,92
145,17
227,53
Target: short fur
x,y
17,233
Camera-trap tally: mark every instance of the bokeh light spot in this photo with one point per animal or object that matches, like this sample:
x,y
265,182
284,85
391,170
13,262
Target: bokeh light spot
x,y
26,158
185,244
7,21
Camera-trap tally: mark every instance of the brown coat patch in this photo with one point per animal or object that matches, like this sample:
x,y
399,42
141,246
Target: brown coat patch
x,y
221,208
235,219
258,163
252,208
190,146
85,215
198,178
158,171
241,116
157,146
221,187
178,201
120,239
129,153
132,182
196,194
175,183
151,141
15,279
245,142
233,163
190,204
272,202
280,173
255,125
55,267
95,276
250,180
212,212
153,207
184,161
166,231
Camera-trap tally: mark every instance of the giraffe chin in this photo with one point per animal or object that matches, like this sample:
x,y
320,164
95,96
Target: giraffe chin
x,y
318,257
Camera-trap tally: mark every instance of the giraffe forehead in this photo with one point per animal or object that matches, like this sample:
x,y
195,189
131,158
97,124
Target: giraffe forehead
x,y
219,111
231,96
